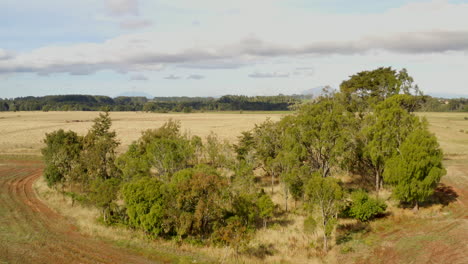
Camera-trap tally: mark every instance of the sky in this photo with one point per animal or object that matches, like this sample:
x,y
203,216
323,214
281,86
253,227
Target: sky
x,y
215,47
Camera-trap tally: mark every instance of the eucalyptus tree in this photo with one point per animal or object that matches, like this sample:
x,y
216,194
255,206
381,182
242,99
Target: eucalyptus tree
x,y
325,197
324,133
383,133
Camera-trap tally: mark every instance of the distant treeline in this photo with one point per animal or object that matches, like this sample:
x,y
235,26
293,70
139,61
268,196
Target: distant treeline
x,y
432,104
157,104
189,104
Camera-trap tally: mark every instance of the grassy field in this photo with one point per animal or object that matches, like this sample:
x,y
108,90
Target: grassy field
x,y
23,132
437,234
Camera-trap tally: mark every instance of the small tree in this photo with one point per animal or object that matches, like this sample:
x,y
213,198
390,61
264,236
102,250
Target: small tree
x,y
103,193
417,170
364,207
266,207
325,196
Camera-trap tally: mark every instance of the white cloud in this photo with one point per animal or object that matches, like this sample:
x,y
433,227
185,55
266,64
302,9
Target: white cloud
x,y
138,77
249,37
5,54
269,75
135,23
122,7
173,77
195,77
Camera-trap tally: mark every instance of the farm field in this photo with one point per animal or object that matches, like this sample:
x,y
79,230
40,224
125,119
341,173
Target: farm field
x,y
23,132
30,232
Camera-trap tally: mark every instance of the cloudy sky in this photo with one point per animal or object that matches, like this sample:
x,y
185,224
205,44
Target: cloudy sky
x,y
215,47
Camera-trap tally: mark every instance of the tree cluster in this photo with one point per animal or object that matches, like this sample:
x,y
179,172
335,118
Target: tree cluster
x,y
170,184
166,184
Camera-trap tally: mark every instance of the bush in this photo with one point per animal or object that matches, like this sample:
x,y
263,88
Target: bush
x,y
364,207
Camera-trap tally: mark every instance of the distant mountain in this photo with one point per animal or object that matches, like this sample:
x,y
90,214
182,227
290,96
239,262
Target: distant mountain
x,y
136,94
448,95
315,92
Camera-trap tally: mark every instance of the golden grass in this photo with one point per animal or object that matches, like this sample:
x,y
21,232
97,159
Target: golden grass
x,y
23,132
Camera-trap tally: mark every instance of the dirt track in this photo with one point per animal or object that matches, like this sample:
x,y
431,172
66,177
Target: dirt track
x,y
30,232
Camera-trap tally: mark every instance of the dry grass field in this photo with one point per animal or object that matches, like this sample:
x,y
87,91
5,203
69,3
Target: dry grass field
x,y
437,234
23,132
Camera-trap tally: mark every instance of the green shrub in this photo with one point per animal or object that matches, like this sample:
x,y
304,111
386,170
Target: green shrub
x,y
364,207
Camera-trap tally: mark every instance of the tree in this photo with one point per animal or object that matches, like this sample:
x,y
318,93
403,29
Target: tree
x,y
200,199
267,142
168,155
103,193
323,132
417,169
266,208
61,154
366,88
383,133
133,163
325,196
145,202
100,146
245,145
217,153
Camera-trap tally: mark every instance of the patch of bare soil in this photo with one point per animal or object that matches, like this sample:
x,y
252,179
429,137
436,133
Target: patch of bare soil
x,y
30,232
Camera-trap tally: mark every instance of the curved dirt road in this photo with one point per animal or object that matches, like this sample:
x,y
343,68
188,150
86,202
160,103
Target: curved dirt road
x,y
30,232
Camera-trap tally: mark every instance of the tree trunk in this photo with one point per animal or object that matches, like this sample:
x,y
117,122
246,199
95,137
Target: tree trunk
x,y
272,182
377,182
286,197
416,206
325,241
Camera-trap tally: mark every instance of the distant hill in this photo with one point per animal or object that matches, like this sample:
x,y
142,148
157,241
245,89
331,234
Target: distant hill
x,y
315,92
136,94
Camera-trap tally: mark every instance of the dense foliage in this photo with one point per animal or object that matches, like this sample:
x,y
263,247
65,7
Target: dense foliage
x,y
364,207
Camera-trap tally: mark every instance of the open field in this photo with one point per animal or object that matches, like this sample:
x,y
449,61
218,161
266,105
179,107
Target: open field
x,y
22,132
31,232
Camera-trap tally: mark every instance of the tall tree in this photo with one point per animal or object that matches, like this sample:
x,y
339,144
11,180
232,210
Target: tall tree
x,y
417,169
100,149
366,88
324,133
383,133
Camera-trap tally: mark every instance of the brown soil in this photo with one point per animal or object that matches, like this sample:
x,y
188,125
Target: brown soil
x,y
30,232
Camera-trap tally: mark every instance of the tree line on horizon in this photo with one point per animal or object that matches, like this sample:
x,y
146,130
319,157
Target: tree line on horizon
x,y
177,186
192,104
157,104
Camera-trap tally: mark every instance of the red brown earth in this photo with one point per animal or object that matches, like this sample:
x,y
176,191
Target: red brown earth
x,y
30,232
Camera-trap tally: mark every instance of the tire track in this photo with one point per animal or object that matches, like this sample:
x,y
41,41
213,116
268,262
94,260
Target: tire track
x,y
36,234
